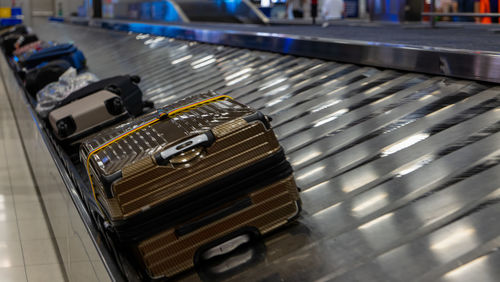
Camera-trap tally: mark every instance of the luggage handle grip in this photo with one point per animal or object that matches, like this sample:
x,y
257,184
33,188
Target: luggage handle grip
x,y
206,139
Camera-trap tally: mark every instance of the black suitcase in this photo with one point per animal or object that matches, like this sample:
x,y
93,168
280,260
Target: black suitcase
x,y
37,78
17,29
123,85
13,41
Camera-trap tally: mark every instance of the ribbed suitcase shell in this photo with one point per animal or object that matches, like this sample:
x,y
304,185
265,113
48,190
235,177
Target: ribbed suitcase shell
x,y
144,185
166,254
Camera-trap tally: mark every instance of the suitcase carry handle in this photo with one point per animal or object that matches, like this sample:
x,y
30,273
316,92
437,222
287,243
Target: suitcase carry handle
x,y
206,139
224,266
218,247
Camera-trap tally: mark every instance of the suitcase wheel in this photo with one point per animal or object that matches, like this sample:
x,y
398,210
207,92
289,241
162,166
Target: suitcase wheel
x,y
62,128
65,127
109,241
115,106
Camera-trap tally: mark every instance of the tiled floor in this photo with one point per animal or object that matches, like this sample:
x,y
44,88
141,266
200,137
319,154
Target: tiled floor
x,y
27,251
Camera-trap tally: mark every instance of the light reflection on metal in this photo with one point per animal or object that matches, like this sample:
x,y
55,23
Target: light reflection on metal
x,y
470,270
454,238
371,201
238,73
152,43
425,97
325,106
141,36
326,210
168,98
241,78
202,60
363,178
313,188
440,110
185,58
331,117
382,100
309,156
310,172
403,144
371,90
271,83
414,166
375,221
280,99
277,90
203,64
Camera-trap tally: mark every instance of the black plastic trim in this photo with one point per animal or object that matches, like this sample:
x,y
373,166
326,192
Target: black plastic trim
x,y
192,226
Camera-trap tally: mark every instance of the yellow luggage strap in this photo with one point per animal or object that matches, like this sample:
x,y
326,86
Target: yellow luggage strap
x,y
161,115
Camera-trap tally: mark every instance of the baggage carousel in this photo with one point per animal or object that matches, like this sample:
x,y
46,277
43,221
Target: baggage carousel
x,y
399,171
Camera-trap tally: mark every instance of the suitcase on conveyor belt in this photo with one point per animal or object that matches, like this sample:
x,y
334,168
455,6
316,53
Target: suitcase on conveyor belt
x,y
37,78
31,47
14,41
97,105
189,181
64,51
17,29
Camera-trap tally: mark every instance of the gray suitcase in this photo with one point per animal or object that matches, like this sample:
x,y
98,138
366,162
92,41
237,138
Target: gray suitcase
x,y
86,115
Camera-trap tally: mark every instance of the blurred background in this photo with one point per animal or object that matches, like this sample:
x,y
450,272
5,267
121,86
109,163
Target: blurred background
x,y
272,11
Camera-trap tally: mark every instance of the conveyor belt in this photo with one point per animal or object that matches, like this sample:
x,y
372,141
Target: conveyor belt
x,y
399,171
465,36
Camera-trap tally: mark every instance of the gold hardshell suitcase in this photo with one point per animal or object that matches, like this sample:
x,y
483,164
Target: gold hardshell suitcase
x,y
190,181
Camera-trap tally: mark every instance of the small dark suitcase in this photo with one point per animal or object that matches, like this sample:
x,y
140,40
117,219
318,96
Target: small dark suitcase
x,y
18,29
37,78
13,41
95,106
188,182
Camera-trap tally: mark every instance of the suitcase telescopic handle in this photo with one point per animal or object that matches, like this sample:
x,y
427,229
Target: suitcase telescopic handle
x,y
205,139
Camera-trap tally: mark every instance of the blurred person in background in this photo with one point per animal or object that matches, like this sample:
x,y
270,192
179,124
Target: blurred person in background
x,y
295,8
462,6
488,6
332,10
445,6
466,6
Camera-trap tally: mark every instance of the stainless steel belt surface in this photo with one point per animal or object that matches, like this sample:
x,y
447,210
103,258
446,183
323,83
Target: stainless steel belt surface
x,y
399,171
